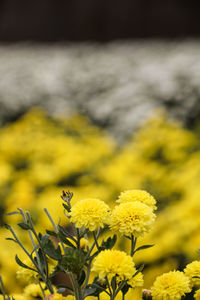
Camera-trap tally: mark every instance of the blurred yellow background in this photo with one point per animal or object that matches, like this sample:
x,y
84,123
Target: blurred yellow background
x,y
41,155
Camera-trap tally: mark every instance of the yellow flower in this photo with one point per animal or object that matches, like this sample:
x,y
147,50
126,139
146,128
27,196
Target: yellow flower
x,y
137,195
114,262
197,295
27,275
170,286
33,291
30,276
84,243
193,269
90,213
132,218
136,281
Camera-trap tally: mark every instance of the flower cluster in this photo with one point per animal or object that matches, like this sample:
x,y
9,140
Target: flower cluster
x,y
77,256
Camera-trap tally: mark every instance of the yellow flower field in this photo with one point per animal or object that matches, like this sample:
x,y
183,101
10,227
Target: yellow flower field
x,y
41,155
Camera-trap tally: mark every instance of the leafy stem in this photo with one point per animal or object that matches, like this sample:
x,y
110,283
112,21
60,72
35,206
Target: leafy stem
x,y
133,244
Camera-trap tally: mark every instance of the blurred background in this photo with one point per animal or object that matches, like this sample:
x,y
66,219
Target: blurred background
x,y
101,97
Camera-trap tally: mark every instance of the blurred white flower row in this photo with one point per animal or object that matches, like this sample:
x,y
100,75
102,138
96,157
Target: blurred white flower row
x,y
109,83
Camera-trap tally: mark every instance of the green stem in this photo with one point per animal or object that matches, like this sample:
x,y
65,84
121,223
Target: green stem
x,y
95,240
45,278
78,238
73,284
2,288
87,276
92,247
54,226
32,240
108,284
133,244
43,293
120,287
68,273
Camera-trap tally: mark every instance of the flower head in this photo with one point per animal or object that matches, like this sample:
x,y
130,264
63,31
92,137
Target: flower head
x,y
191,270
27,275
30,276
34,291
170,286
114,262
136,281
90,213
137,195
132,218
197,295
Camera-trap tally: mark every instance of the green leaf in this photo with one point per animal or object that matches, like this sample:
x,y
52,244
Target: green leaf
x,y
11,239
21,264
109,243
98,287
113,283
63,231
42,259
141,267
24,226
7,226
67,207
66,241
73,260
143,247
35,248
49,248
13,213
125,288
52,233
90,292
61,290
64,286
82,278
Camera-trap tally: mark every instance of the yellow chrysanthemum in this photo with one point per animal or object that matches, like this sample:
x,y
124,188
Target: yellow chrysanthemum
x,y
114,262
132,218
136,281
84,243
90,213
27,275
33,291
30,276
137,195
193,269
170,286
197,295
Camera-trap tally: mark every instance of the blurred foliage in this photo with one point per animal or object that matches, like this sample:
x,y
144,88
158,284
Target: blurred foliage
x,y
40,156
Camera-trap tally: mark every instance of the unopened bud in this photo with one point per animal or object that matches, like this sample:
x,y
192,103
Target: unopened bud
x,y
146,295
